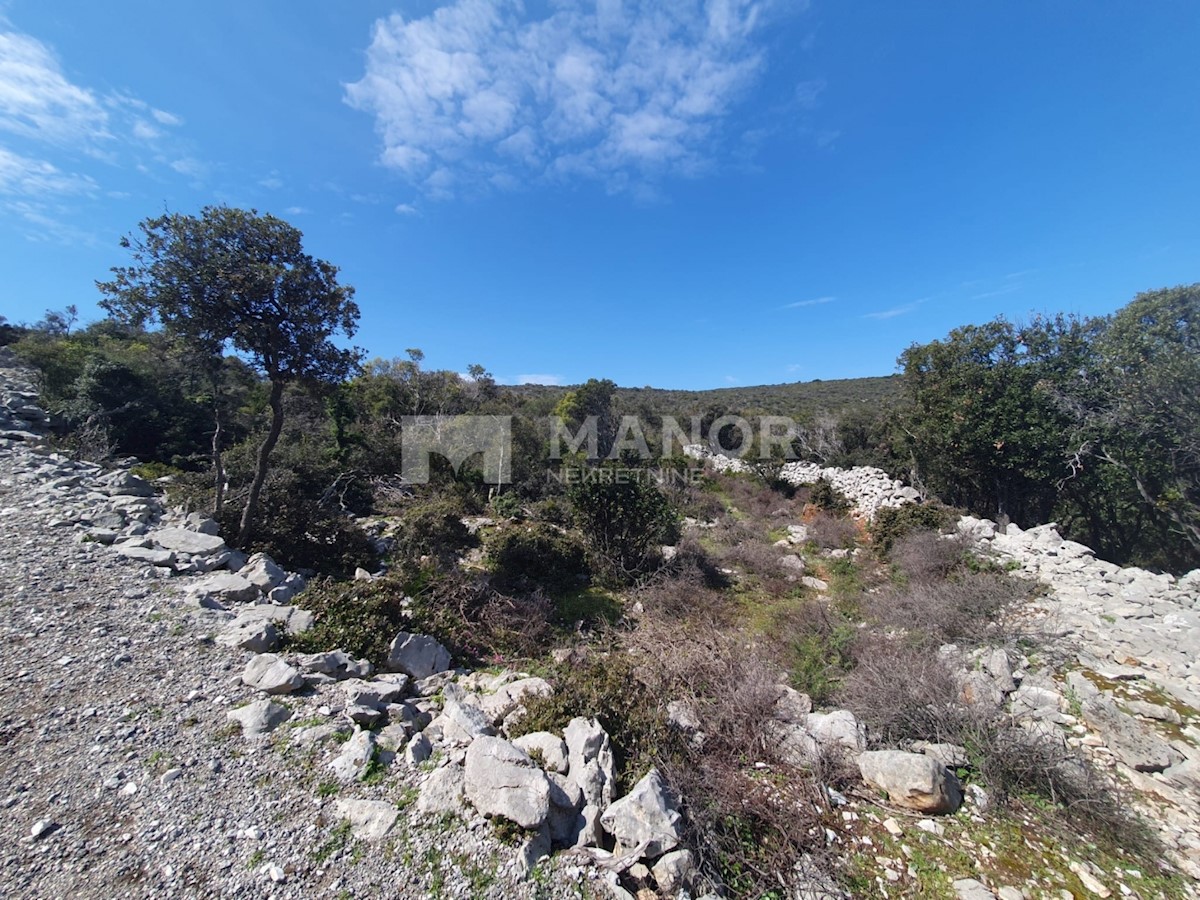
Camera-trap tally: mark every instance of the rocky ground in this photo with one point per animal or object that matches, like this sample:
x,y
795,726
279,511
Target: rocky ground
x,y
123,774
155,745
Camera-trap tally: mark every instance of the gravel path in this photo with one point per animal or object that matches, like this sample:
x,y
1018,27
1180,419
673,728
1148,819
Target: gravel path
x,y
123,777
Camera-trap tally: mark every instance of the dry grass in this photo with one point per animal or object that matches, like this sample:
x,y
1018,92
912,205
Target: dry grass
x,y
964,608
747,825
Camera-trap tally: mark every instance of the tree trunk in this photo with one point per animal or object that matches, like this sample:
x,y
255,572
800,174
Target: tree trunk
x,y
260,469
218,466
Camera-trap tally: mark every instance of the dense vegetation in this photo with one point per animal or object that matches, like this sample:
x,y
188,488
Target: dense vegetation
x,y
239,398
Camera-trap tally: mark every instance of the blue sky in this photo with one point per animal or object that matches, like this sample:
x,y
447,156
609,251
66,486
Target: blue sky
x,y
686,195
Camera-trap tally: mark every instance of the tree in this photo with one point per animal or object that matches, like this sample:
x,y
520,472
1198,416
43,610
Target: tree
x,y
984,428
1138,410
594,398
234,278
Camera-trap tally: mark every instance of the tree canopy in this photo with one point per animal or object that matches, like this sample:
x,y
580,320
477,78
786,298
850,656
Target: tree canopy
x,y
235,278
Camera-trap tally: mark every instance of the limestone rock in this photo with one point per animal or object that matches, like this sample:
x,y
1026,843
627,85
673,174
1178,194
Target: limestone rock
x,y
262,571
911,780
1131,742
417,655
337,664
260,717
370,820
256,635
501,780
550,748
674,871
508,697
191,542
646,815
417,750
566,802
792,706
162,558
226,587
355,758
442,791
970,889
837,730
271,675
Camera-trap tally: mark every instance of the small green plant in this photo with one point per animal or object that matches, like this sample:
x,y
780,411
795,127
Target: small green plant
x,y
256,859
823,495
328,789
537,555
337,841
408,797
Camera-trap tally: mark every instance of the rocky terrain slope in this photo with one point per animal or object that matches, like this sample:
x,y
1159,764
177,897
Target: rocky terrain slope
x,y
157,745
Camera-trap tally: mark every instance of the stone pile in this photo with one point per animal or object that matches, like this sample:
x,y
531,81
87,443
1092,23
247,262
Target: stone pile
x,y
1127,686
868,489
21,419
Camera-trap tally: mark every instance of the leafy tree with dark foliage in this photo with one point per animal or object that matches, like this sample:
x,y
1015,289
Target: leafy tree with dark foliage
x,y
232,277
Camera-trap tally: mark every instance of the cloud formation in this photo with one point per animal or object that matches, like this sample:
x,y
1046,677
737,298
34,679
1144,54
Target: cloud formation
x,y
49,127
894,311
476,95
802,304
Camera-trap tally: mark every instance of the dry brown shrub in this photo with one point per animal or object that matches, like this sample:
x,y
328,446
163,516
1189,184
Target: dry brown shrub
x,y
748,826
965,608
902,692
906,693
833,532
924,556
750,831
755,557
760,502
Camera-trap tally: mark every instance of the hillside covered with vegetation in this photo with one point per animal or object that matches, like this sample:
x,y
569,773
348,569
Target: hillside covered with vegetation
x,y
225,366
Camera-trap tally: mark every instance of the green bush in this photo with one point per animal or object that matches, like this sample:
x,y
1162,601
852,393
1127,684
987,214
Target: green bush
x,y
624,520
360,617
535,556
604,687
298,532
433,529
894,522
823,495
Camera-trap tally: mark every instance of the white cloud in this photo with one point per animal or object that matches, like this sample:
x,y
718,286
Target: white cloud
x,y
53,126
36,99
808,93
297,210
999,292
21,176
406,209
475,94
192,168
165,118
801,304
540,379
894,311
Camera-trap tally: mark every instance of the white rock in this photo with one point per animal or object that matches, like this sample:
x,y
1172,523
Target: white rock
x,y
646,815
501,780
417,655
260,717
911,780
370,820
271,675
